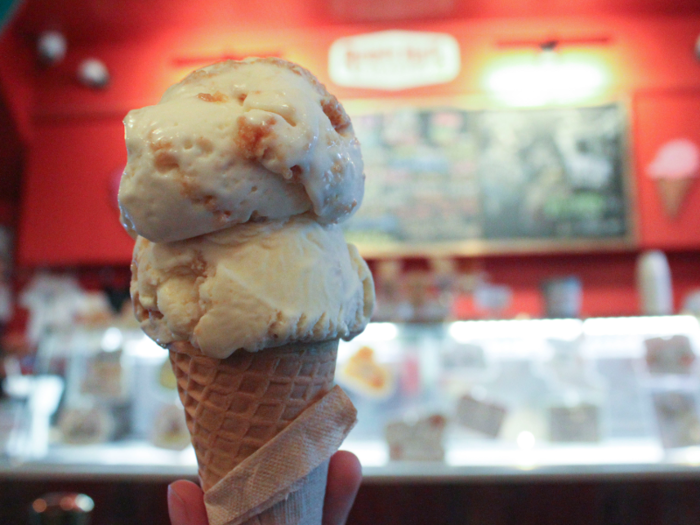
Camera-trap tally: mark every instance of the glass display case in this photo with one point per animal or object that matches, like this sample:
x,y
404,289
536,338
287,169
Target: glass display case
x,y
462,400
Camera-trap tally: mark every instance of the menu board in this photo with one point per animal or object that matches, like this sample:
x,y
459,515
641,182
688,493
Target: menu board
x,y
447,178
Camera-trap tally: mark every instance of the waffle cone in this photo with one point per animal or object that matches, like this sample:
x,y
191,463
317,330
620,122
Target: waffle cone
x,y
234,406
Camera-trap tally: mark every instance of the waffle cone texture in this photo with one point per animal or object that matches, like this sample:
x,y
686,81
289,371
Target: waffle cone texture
x,y
235,405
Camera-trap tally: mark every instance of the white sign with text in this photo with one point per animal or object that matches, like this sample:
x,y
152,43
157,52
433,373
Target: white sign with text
x,y
394,60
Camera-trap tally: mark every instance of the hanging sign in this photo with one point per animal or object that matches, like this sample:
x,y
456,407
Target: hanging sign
x,y
394,60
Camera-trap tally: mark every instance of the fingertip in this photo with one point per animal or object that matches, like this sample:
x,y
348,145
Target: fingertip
x,y
186,503
344,478
176,507
349,465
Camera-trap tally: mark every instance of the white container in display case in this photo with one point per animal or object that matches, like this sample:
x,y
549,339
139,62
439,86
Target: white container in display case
x,y
533,398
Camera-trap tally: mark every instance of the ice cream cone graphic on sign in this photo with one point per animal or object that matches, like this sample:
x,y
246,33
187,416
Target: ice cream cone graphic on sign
x,y
674,170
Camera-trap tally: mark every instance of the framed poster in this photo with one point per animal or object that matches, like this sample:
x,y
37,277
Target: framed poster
x,y
444,179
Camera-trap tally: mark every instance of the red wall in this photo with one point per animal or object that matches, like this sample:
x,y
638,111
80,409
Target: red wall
x,y
608,281
69,214
16,89
77,144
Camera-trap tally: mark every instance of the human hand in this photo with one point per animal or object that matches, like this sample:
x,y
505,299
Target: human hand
x,y
186,499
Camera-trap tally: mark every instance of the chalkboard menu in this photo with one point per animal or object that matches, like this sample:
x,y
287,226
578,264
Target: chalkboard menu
x,y
448,179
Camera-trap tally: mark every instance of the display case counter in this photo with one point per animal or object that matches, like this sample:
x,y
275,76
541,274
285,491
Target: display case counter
x,y
477,401
140,461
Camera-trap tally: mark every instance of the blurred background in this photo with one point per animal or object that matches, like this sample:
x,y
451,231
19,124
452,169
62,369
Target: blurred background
x,y
531,218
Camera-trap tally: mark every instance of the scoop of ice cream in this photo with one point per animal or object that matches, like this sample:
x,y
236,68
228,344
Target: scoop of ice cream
x,y
239,141
254,286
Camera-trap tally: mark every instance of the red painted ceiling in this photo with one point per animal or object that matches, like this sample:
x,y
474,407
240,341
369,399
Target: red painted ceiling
x,y
89,20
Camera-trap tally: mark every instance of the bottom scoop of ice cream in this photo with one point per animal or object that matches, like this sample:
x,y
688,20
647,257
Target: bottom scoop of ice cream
x,y
250,287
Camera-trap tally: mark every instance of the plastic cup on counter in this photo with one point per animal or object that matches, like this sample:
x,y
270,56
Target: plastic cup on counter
x,y
562,297
654,283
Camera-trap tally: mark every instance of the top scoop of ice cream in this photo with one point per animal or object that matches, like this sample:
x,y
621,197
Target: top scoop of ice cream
x,y
234,142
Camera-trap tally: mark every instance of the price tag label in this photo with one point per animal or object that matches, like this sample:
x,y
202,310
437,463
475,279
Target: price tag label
x,y
577,423
677,417
460,356
419,440
483,416
672,355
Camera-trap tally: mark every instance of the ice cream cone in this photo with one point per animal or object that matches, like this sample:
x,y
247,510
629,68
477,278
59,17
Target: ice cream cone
x,y
238,250
236,405
673,192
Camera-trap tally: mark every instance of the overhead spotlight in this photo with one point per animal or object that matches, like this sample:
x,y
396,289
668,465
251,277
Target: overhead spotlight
x,y
93,73
51,47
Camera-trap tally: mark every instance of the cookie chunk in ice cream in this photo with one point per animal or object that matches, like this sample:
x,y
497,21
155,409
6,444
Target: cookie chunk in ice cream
x,y
234,142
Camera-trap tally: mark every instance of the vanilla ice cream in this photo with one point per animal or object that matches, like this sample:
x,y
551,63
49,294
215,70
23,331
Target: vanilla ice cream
x,y
258,285
234,185
239,141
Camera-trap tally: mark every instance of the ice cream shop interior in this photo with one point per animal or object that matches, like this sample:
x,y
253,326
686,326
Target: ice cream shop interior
x,y
530,218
